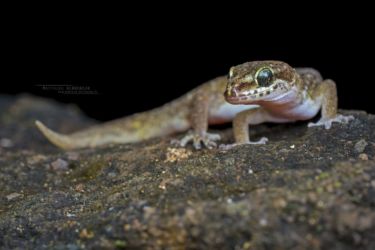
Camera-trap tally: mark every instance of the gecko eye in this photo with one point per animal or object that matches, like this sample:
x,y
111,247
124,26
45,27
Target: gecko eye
x,y
264,77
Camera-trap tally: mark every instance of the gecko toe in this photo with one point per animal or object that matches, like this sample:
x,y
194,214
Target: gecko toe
x,y
327,123
262,140
185,140
310,124
213,137
210,144
346,119
199,140
197,144
226,147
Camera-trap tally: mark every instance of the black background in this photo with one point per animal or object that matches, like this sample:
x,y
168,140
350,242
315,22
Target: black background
x,y
136,64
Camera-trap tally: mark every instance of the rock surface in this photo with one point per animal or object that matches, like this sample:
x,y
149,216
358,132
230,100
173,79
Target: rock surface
x,y
306,189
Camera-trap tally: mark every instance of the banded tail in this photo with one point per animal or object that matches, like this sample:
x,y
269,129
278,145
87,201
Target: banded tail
x,y
65,142
131,129
91,137
165,120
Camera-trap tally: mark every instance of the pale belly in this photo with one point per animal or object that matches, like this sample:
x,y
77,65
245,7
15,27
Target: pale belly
x,y
307,110
226,112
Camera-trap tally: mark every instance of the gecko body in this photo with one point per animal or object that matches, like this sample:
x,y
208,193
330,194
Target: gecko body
x,y
195,110
254,92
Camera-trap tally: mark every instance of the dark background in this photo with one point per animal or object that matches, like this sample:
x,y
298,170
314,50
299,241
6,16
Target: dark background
x,y
134,66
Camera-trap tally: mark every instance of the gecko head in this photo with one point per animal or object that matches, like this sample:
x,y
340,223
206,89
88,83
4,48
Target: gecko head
x,y
256,81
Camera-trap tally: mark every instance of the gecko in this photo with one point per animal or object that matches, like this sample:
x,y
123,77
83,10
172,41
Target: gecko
x,y
252,93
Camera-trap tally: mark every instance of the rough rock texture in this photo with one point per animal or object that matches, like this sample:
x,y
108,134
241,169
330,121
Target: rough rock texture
x,y
306,189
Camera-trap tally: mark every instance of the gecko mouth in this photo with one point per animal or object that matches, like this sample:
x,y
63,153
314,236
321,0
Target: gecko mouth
x,y
234,97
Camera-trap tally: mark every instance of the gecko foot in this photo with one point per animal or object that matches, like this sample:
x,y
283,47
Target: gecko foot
x,y
225,147
207,139
327,123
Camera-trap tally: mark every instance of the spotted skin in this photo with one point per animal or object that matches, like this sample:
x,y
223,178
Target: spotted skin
x,y
255,92
289,95
195,110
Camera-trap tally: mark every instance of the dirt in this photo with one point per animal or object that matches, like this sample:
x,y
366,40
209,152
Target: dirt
x,y
307,188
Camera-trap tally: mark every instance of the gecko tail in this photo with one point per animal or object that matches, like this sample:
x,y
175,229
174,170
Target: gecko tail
x,y
62,141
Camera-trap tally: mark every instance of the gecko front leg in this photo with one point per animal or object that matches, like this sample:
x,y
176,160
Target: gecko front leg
x,y
199,123
241,127
327,91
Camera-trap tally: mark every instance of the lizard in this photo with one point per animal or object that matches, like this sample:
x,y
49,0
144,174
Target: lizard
x,y
252,93
195,110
